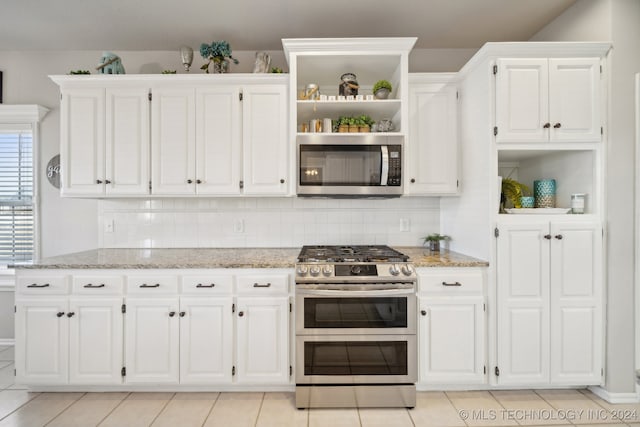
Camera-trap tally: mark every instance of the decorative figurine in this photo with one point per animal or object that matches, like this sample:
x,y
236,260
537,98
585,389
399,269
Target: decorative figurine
x,y
349,85
263,62
110,63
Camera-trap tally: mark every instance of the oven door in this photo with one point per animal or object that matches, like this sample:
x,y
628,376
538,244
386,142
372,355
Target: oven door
x,y
356,359
337,312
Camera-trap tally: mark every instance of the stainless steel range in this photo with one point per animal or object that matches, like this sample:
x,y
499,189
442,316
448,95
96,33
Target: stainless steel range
x,y
355,327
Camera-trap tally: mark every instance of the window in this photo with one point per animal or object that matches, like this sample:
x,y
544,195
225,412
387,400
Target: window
x,y
17,223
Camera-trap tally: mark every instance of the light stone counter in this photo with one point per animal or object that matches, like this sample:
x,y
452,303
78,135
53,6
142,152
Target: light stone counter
x,y
221,258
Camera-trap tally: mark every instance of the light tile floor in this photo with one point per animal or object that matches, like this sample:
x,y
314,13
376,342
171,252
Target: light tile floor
x,y
21,408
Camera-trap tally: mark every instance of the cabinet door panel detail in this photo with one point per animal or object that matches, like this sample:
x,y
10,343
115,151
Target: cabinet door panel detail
x,y
95,341
127,141
206,348
522,100
42,339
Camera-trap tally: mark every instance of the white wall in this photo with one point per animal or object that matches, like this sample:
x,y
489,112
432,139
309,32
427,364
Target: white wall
x,y
615,21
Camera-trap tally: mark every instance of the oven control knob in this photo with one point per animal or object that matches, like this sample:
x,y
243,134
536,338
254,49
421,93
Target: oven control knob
x,y
314,271
394,270
327,270
407,270
302,270
356,269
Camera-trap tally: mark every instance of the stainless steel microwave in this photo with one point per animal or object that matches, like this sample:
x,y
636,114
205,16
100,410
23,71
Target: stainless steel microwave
x,y
342,166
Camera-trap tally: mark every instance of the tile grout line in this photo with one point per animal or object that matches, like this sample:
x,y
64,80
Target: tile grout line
x,y
550,404
211,409
501,405
162,410
114,408
255,424
35,396
456,408
65,409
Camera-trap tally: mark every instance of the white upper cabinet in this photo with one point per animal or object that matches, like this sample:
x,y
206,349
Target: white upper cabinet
x,y
264,140
104,136
431,157
540,100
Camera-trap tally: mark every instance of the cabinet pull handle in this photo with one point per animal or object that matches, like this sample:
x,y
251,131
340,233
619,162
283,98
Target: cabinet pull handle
x,y
182,313
241,313
172,313
547,125
60,313
423,312
558,236
35,285
547,236
189,181
89,285
413,180
144,285
200,285
71,314
451,284
557,126
98,181
281,180
106,181
258,285
198,181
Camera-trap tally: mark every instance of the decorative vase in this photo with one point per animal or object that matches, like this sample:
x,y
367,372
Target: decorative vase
x,y
382,93
186,54
220,66
527,201
434,245
544,191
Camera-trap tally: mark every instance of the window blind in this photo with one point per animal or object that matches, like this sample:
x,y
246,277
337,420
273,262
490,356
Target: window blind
x,y
16,196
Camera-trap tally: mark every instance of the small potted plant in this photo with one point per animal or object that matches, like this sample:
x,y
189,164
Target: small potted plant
x,y
434,241
354,126
343,124
382,89
217,53
364,123
516,193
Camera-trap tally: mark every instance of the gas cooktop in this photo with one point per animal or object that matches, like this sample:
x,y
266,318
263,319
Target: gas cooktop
x,y
356,253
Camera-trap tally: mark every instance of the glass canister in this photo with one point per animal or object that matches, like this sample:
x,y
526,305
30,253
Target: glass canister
x,y
349,85
544,191
577,203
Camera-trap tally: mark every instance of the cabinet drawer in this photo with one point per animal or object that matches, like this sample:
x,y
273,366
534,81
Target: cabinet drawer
x,y
263,285
97,285
42,285
207,285
450,282
152,285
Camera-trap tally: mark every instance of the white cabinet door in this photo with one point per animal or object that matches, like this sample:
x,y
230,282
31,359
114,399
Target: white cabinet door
x,y
151,340
431,159
262,338
95,340
522,100
206,341
82,124
42,341
173,145
265,140
127,141
452,340
218,141
523,303
576,303
574,99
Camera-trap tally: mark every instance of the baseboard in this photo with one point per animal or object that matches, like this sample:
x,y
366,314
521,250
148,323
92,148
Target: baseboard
x,y
614,397
7,341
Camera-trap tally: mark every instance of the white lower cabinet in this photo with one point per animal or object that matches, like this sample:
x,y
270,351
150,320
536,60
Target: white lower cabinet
x,y
206,340
262,338
452,326
549,302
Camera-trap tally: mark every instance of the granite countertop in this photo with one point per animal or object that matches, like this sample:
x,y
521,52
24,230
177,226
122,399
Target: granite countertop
x,y
221,258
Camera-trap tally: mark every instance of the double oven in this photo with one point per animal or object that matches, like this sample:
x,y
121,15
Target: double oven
x,y
355,328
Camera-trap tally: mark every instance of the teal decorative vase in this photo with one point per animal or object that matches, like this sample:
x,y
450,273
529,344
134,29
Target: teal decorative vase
x,y
544,191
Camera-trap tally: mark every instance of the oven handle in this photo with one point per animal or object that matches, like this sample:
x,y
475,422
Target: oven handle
x,y
344,293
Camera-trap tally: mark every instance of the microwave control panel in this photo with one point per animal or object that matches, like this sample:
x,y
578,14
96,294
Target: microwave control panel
x,y
395,165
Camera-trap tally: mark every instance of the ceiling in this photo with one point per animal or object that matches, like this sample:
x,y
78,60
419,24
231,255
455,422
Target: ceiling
x,y
260,24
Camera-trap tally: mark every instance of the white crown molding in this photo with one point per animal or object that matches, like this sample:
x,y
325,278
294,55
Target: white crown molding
x,y
358,44
22,113
107,80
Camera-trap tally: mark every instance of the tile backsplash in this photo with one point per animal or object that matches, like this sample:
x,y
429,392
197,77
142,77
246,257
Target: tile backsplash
x,y
265,222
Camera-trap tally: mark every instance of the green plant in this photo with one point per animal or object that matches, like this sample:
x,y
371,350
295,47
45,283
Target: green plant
x,y
168,71
513,190
276,70
380,84
74,72
436,237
